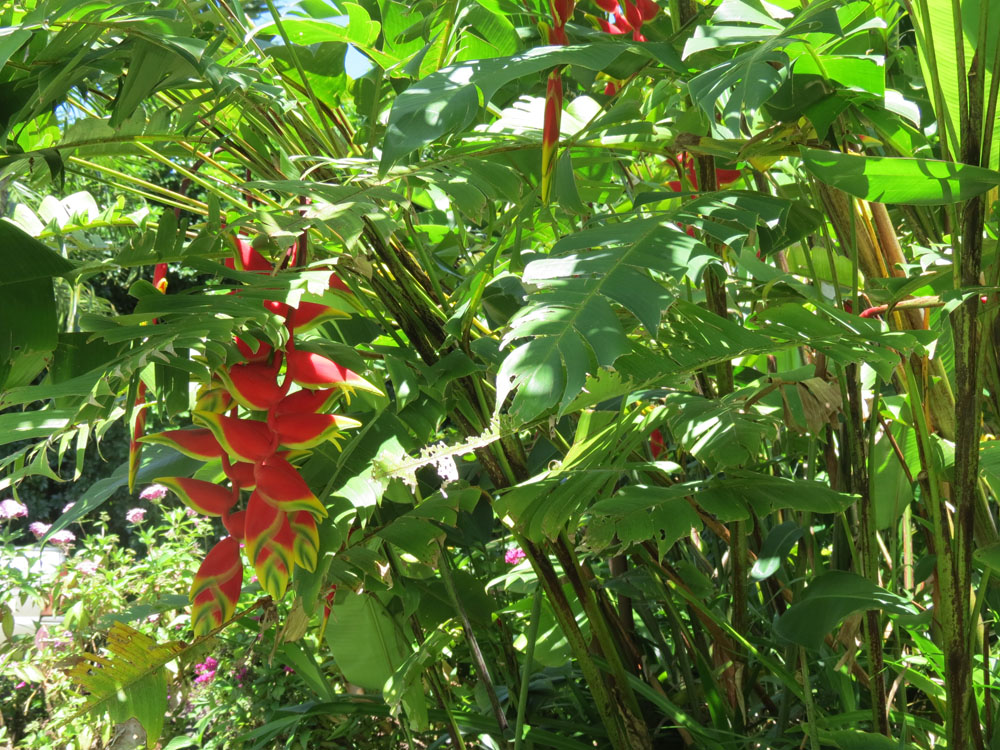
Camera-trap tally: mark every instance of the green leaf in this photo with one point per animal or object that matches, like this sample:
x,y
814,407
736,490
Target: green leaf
x,y
921,182
639,513
157,461
365,641
23,258
829,599
778,544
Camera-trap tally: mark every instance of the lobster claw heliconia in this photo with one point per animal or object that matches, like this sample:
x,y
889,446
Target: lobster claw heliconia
x,y
278,524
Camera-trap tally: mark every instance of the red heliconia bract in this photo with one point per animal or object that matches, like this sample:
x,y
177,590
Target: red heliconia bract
x,y
216,400
632,14
248,259
260,353
243,439
608,6
216,587
308,315
305,549
197,443
280,484
647,9
656,444
306,401
316,371
205,497
240,473
254,385
550,131
562,11
609,27
270,543
278,308
235,523
307,430
338,283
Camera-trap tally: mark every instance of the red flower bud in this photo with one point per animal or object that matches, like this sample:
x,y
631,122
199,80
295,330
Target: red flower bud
x,y
550,131
562,11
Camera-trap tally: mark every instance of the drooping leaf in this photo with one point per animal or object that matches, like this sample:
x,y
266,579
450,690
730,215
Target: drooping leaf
x,y
922,182
132,682
365,641
829,599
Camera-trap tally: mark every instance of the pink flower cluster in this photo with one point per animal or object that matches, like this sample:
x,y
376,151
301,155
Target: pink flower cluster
x,y
206,670
514,556
136,515
62,538
153,492
11,509
88,567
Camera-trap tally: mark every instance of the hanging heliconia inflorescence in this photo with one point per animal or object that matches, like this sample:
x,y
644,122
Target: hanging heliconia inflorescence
x,y
562,11
631,18
250,418
139,408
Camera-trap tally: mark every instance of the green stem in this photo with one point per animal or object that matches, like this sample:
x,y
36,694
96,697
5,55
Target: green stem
x,y
529,655
478,662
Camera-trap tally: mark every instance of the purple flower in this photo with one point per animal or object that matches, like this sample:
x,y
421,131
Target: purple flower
x,y
10,509
136,515
63,538
39,529
514,556
289,670
153,492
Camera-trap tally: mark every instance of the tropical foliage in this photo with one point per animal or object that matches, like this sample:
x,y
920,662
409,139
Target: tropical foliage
x,y
613,374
